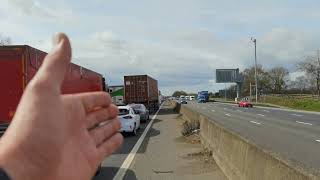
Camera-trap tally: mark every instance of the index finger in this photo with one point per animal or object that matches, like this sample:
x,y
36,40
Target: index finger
x,y
94,100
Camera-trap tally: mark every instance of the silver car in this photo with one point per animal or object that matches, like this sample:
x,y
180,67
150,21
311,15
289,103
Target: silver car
x,y
142,111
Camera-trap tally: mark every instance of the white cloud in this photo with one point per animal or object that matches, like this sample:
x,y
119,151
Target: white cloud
x,y
179,42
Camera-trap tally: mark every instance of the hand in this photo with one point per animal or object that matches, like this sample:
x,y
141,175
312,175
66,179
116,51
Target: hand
x,y
54,136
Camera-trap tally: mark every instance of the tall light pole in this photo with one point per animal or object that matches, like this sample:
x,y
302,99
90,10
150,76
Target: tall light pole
x,y
255,66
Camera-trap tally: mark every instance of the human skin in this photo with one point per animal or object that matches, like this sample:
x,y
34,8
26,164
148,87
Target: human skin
x,y
54,136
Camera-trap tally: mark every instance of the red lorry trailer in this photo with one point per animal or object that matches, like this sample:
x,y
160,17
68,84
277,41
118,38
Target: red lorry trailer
x,y
141,89
18,65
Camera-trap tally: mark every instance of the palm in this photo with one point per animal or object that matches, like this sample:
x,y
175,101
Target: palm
x,y
59,136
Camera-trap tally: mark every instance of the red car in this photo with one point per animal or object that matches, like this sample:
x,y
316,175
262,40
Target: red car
x,y
245,104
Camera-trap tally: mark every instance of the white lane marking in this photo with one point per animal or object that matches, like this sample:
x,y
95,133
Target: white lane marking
x,y
318,140
266,111
224,108
300,122
260,115
127,162
228,114
239,110
255,122
213,110
298,115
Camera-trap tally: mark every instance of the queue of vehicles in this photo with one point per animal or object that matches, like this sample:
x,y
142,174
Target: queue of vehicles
x,y
136,98
203,97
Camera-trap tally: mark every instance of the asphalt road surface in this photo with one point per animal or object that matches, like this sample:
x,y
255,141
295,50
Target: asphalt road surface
x,y
163,154
293,134
112,164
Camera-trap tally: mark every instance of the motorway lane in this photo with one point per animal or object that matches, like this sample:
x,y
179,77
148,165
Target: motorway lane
x,y
295,135
111,165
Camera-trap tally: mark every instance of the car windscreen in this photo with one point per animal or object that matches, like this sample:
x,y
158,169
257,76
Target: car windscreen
x,y
123,112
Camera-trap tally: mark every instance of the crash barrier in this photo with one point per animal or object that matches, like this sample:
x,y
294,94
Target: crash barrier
x,y
241,159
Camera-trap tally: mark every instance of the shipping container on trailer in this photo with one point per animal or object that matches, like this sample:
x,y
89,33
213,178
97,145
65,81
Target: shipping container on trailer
x,y
18,65
141,89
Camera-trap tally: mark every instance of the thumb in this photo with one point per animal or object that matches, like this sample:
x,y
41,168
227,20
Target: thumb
x,y
53,69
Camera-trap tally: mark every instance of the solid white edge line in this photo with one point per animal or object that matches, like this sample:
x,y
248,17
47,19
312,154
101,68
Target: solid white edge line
x,y
260,114
255,122
127,162
300,122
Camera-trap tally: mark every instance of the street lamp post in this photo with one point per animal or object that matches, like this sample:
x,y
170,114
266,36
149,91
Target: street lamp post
x,y
255,66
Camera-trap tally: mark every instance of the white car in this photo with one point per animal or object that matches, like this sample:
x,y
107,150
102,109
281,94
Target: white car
x,y
192,98
130,121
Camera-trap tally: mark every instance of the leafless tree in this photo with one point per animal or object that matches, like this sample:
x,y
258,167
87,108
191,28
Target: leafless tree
x,y
311,66
4,40
301,83
279,78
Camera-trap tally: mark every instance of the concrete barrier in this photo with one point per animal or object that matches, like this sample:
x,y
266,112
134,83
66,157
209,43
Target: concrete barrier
x,y
240,159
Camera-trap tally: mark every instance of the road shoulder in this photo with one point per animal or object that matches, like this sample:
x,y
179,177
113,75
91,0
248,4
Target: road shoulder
x,y
166,154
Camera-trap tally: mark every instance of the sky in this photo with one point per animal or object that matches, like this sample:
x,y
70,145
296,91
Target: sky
x,y
178,42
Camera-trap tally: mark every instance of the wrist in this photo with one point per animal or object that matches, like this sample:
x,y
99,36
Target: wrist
x,y
17,163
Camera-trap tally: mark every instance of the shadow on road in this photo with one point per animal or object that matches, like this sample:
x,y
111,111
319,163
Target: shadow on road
x,y
130,175
167,110
110,172
130,140
152,133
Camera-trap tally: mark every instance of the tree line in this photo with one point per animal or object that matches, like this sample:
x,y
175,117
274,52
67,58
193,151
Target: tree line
x,y
276,80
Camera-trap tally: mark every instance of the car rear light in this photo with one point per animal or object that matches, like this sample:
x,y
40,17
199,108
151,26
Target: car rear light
x,y
127,117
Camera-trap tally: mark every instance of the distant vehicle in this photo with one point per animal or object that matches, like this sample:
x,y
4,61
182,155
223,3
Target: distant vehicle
x,y
192,98
183,100
187,98
19,64
245,103
204,95
201,99
142,111
141,89
162,98
130,121
117,94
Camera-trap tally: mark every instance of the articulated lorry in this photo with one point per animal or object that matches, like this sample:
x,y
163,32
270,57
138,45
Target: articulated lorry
x,y
18,65
141,89
203,96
